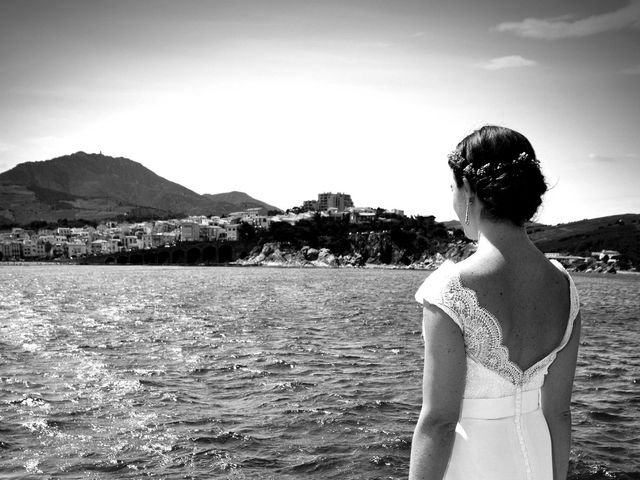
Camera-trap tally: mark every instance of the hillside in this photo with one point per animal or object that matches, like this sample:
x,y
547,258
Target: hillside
x,y
234,201
616,232
96,186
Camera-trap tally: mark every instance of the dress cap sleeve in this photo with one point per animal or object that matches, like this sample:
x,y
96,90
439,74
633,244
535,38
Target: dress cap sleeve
x,y
574,305
438,288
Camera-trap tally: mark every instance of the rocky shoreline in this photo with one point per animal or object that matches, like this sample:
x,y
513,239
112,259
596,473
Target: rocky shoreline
x,y
275,254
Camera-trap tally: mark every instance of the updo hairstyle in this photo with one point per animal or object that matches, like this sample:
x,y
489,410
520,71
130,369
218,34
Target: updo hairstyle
x,y
501,167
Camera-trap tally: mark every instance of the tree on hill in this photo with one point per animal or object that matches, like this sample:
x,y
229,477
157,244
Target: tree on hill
x,y
413,235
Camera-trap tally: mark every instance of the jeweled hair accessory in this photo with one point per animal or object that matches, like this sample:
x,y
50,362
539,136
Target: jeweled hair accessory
x,y
456,159
490,168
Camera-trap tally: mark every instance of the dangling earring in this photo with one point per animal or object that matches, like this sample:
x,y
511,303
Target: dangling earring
x,y
466,213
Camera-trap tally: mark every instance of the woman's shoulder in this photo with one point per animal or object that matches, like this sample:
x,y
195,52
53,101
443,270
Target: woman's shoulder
x,y
441,289
485,270
477,270
437,281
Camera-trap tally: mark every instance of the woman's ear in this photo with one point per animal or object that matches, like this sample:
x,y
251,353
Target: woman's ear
x,y
466,187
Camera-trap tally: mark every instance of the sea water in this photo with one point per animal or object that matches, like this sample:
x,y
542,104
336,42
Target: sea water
x,y
258,373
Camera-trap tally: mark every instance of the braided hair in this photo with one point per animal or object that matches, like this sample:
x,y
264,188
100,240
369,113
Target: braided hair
x,y
503,171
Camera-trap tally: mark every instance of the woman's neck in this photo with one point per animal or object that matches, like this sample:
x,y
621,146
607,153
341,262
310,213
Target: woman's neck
x,y
505,237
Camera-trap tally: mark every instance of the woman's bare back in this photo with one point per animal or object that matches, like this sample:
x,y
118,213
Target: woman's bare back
x,y
528,296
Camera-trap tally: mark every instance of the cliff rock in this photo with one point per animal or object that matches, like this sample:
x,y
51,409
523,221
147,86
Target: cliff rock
x,y
369,250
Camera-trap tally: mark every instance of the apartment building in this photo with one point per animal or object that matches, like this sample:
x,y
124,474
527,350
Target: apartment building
x,y
340,201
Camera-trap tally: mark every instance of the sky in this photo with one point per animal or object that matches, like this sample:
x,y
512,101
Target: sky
x,y
284,99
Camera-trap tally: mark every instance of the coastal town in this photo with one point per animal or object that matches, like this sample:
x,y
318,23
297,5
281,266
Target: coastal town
x,y
75,243
108,237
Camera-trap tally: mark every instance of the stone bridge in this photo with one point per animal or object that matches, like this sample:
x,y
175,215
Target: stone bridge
x,y
185,253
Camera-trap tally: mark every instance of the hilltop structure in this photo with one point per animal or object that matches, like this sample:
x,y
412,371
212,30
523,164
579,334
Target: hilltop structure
x,y
329,200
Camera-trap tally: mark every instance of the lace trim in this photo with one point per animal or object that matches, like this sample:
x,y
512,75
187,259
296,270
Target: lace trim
x,y
483,334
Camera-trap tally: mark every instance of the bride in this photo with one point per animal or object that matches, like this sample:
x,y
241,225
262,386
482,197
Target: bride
x,y
501,330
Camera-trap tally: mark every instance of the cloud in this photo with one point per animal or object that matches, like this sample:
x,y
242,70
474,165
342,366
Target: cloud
x,y
510,61
635,70
566,27
601,158
613,158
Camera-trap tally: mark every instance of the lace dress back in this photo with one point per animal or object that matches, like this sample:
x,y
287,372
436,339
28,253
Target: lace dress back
x,y
490,372
502,433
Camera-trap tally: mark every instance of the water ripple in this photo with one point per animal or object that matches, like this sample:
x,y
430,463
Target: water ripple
x,y
258,373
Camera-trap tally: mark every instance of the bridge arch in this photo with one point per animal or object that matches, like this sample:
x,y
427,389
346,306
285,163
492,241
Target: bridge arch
x,y
225,254
177,256
210,254
193,255
164,258
150,258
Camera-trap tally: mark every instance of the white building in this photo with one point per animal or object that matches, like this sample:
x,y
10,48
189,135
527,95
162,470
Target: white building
x,y
310,205
189,232
114,245
232,232
40,249
57,250
259,221
99,246
168,238
47,238
19,234
11,250
162,227
146,241
612,255
76,249
130,242
328,200
362,215
29,249
395,211
213,232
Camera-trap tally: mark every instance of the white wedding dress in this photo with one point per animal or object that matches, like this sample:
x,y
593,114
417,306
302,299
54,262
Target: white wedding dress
x,y
502,433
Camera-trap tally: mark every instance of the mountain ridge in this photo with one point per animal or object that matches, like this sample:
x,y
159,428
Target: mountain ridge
x,y
95,186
